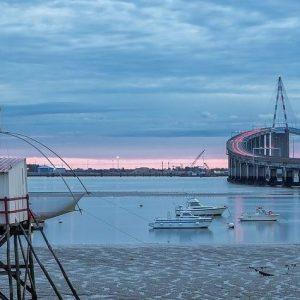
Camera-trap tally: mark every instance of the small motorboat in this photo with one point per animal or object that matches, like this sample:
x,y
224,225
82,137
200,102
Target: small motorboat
x,y
194,207
260,215
184,221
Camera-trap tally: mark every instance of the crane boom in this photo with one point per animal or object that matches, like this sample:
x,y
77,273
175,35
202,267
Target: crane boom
x,y
206,166
197,158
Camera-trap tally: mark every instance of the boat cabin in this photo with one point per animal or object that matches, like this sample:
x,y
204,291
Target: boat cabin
x,y
193,203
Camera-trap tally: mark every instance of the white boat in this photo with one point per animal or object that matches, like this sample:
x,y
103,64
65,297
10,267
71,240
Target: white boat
x,y
259,215
46,205
194,207
184,221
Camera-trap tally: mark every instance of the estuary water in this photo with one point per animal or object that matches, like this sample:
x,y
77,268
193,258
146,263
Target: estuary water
x,y
119,209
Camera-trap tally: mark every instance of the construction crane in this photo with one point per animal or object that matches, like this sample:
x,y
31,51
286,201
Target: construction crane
x,y
197,158
206,166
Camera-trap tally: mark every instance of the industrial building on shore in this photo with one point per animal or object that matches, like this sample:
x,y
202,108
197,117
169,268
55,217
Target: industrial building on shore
x,y
37,170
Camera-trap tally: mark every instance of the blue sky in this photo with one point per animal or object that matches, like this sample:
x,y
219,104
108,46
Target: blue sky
x,y
144,78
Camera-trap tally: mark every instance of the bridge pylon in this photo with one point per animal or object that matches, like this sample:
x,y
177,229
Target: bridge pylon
x,y
280,97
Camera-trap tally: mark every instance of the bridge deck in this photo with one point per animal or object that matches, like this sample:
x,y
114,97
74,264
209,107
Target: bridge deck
x,y
236,147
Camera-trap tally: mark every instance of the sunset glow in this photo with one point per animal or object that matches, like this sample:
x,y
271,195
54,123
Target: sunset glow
x,y
128,163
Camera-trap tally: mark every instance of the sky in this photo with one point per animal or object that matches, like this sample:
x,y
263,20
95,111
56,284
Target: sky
x,y
143,80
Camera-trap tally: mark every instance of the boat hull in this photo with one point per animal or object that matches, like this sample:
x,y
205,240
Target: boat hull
x,y
180,225
218,211
258,218
49,205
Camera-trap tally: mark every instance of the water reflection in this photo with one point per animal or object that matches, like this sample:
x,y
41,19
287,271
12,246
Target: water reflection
x,y
182,235
125,219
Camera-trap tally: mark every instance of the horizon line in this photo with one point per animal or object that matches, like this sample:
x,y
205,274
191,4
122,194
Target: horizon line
x,y
127,163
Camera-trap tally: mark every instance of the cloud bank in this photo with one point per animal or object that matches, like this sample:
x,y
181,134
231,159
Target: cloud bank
x,y
122,76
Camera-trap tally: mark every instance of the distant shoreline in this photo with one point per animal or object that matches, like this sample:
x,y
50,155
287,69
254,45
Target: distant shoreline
x,y
37,170
120,175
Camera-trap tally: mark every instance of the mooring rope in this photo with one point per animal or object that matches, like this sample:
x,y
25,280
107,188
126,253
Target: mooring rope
x,y
111,225
126,209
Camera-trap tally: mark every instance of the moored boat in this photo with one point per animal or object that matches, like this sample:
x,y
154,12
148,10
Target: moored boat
x,y
259,215
194,207
184,221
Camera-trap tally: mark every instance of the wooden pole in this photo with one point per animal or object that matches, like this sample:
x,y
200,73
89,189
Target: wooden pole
x,y
57,260
17,266
10,282
30,256
27,271
41,265
4,266
2,296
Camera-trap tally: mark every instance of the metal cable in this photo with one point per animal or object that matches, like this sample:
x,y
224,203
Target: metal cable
x,y
56,154
45,156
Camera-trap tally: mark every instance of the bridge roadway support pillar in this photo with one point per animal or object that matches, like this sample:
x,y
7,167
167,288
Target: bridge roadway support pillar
x,y
232,169
273,177
237,170
244,172
261,144
288,177
281,141
265,144
256,142
261,175
251,177
251,145
229,167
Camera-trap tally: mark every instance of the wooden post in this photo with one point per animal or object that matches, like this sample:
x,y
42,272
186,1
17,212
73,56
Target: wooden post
x,y
17,265
30,256
41,265
10,282
57,261
27,271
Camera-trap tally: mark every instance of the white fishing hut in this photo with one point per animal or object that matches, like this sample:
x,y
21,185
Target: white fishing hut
x,y
13,191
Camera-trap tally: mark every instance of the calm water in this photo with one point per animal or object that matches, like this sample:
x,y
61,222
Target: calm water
x,y
121,220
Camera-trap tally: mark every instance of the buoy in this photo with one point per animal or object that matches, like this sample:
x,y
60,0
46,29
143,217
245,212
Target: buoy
x,y
230,225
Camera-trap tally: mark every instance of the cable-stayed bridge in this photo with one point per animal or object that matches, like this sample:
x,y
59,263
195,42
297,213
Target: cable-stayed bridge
x,y
261,156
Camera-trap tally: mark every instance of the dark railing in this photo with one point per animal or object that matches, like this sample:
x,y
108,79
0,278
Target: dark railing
x,y
7,211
